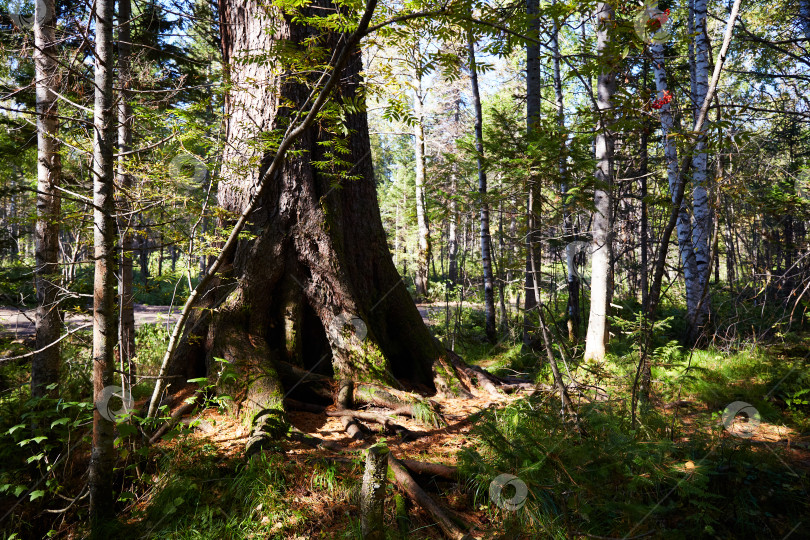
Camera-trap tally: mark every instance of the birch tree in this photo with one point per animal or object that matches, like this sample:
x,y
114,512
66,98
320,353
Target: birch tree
x,y
683,224
702,221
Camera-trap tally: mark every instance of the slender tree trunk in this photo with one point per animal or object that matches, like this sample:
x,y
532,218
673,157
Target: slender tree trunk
x,y
533,100
423,251
804,17
644,224
126,291
702,223
105,329
45,364
486,237
452,234
602,218
683,225
143,255
572,277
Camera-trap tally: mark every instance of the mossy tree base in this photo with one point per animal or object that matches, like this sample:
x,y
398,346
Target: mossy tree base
x,y
312,289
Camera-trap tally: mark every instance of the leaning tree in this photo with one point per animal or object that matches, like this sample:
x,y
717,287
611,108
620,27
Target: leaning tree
x,y
309,292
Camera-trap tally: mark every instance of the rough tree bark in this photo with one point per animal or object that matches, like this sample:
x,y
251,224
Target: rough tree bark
x,y
45,364
533,100
602,218
486,237
315,287
105,329
125,289
372,493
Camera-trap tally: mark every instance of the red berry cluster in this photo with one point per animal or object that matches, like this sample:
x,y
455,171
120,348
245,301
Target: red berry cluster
x,y
655,23
660,102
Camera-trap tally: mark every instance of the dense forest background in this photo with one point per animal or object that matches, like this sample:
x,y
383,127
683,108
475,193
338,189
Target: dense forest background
x,y
331,268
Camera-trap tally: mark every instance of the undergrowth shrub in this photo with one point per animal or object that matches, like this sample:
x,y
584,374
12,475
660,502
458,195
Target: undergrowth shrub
x,y
616,480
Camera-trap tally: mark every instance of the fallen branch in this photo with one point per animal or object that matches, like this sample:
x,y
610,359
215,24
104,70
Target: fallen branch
x,y
407,484
173,420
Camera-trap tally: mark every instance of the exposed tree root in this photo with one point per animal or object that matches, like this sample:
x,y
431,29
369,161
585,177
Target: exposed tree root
x,y
389,426
485,380
406,482
401,403
297,435
295,405
432,469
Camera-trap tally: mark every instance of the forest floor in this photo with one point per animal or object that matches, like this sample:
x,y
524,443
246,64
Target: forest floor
x,y
319,493
19,323
197,482
323,510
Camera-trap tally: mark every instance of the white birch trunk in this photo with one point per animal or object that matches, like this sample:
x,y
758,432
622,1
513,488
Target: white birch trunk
x,y
683,226
701,227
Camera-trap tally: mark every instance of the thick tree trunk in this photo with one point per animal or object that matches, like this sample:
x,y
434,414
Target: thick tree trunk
x,y
423,229
125,289
486,237
315,287
45,364
602,218
104,314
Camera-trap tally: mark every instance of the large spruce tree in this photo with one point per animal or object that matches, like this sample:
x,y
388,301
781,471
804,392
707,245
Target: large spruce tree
x,y
313,287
